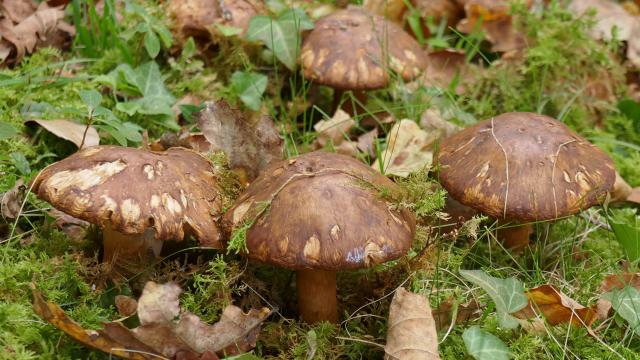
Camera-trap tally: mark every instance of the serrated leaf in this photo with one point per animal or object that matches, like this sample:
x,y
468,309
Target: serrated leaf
x,y
507,294
483,345
626,303
92,98
281,35
249,87
7,130
152,44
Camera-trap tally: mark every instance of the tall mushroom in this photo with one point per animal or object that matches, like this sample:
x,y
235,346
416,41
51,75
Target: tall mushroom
x,y
139,198
352,49
320,213
522,167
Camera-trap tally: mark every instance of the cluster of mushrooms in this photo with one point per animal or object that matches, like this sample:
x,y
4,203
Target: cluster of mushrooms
x,y
319,213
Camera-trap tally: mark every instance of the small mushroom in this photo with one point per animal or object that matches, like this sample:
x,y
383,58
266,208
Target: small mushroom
x,y
139,198
323,214
352,49
523,167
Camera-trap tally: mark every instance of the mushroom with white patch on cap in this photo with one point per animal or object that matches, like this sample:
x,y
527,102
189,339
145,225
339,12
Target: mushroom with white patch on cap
x,y
523,167
353,49
139,198
323,213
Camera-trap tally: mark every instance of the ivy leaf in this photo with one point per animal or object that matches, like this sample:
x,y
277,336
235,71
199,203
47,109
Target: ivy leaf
x,y
483,345
152,44
626,228
7,130
626,303
281,35
20,162
249,87
507,294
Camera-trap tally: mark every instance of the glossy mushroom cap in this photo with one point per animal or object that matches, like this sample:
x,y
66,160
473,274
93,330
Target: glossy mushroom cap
x,y
524,167
130,190
325,213
354,50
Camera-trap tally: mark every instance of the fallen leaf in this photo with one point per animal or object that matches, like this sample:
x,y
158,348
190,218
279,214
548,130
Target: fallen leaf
x,y
11,201
335,132
409,149
98,340
195,141
80,135
483,345
443,67
436,11
411,332
391,9
444,314
494,19
249,145
74,228
17,10
556,307
164,329
367,142
44,27
507,294
626,303
432,120
614,282
126,305
610,14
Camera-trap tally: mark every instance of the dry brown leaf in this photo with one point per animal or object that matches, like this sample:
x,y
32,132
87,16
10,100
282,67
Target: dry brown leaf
x,y
74,228
612,282
249,145
164,329
437,11
11,201
17,10
610,14
126,305
409,149
367,142
391,9
493,18
556,307
411,332
44,27
443,315
98,340
432,121
78,134
335,132
443,67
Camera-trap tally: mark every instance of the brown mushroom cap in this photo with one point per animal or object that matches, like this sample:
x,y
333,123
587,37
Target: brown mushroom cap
x,y
524,167
324,214
130,190
353,50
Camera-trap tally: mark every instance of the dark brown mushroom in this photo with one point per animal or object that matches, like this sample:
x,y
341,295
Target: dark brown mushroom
x,y
139,198
352,49
523,167
323,214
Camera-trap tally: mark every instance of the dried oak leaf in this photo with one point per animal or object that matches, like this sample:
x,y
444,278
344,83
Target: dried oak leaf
x,y
409,148
45,27
249,145
494,19
11,201
17,10
443,315
164,329
81,135
335,132
556,307
612,282
74,228
411,332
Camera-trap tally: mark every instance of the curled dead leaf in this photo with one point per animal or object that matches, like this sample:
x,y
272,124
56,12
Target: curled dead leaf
x,y
74,228
11,201
335,132
249,144
81,135
126,305
17,10
409,149
556,307
164,329
494,19
411,330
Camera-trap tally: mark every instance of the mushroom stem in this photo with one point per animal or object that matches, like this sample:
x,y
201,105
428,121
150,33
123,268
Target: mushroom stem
x,y
117,244
514,236
317,299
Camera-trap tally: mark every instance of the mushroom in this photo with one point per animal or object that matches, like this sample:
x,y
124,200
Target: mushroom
x,y
320,213
522,167
139,198
352,49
